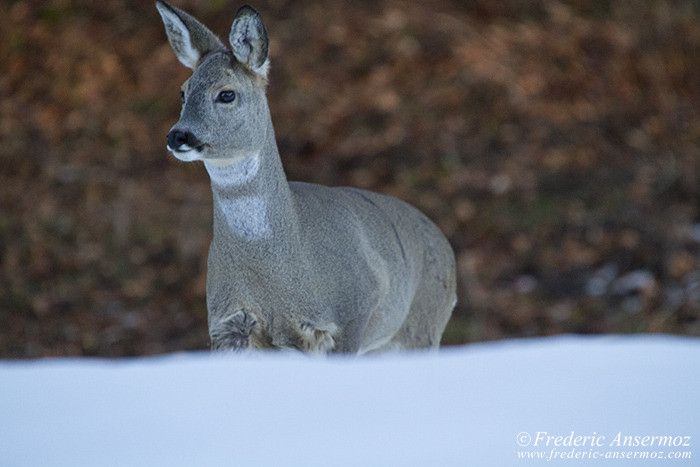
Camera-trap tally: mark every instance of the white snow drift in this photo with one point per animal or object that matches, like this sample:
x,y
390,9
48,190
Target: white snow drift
x,y
486,404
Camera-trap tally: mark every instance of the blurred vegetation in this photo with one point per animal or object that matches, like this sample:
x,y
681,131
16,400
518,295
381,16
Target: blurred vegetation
x,y
557,144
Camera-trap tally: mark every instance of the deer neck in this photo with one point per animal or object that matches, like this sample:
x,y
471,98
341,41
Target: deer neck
x,y
253,204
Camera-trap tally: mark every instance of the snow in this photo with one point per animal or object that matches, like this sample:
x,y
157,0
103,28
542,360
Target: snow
x,y
463,406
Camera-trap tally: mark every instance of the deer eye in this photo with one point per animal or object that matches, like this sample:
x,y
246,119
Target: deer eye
x,y
182,96
226,97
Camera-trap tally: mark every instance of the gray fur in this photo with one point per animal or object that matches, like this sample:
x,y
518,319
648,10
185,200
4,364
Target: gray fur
x,y
248,38
190,39
296,265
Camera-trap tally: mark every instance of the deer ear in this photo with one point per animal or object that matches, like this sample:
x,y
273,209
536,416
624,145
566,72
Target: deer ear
x,y
190,39
249,40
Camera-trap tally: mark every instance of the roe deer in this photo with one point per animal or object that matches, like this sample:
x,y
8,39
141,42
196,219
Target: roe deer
x,y
296,265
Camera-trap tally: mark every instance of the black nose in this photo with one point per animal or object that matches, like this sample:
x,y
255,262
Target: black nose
x,y
177,139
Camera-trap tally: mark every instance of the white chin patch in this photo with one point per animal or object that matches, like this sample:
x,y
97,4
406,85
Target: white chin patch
x,y
186,153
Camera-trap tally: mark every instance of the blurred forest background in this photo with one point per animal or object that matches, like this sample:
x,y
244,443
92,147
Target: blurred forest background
x,y
557,145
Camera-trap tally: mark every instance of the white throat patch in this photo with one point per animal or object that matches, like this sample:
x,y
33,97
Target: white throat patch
x,y
246,215
235,172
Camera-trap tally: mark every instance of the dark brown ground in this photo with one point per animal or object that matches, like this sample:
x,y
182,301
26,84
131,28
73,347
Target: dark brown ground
x,y
557,144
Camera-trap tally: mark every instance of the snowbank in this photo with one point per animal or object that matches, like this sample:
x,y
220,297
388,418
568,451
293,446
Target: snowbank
x,y
483,404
